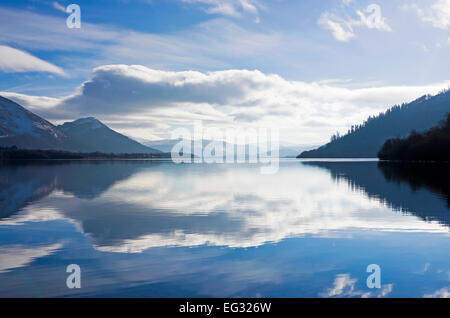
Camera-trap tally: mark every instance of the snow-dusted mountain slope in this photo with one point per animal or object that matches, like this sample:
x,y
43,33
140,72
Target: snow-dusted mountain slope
x,y
24,129
20,127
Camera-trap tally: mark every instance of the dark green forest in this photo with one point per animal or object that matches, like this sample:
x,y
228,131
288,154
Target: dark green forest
x,y
13,153
432,145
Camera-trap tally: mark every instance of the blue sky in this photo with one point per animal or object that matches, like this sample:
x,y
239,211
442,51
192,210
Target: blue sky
x,y
307,67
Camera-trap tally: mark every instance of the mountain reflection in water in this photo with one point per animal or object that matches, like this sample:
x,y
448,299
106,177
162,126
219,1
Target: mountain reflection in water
x,y
226,229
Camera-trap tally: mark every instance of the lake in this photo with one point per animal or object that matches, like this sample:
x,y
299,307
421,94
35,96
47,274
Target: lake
x,y
157,229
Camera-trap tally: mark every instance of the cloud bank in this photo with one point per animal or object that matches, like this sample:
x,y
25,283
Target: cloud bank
x,y
141,101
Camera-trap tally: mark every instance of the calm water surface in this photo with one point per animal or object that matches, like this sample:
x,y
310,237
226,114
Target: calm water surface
x,y
156,229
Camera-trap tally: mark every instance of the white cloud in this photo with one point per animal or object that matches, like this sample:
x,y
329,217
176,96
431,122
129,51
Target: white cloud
x,y
347,2
343,28
58,6
214,44
385,290
160,100
437,14
210,45
17,256
234,8
441,293
14,60
30,30
374,19
345,286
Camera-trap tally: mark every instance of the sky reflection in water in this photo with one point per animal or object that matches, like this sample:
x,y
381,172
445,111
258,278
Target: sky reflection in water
x,y
140,228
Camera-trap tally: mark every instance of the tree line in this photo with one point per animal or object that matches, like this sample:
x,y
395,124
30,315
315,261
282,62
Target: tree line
x,y
14,153
432,145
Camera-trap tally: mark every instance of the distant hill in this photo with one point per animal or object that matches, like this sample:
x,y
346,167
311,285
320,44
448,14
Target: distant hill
x,y
89,135
432,145
414,188
164,145
364,141
25,130
285,150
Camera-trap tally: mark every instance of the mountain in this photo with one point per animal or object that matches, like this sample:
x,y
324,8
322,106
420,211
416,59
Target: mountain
x,y
164,145
410,188
90,135
285,150
364,141
292,150
30,181
24,129
432,145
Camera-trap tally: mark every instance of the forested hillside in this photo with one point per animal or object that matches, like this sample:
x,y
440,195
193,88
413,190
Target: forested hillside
x,y
366,139
433,145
